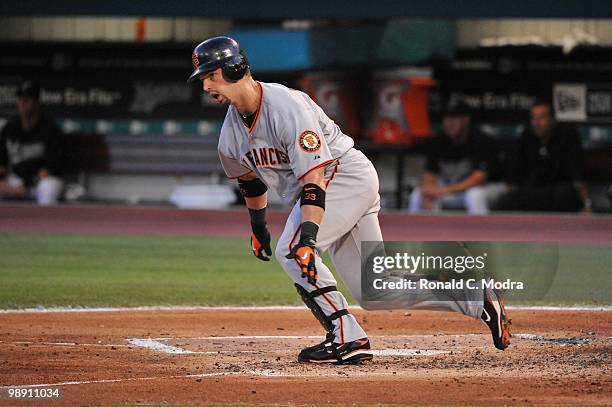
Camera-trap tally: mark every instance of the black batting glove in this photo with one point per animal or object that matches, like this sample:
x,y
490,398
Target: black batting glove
x,y
260,236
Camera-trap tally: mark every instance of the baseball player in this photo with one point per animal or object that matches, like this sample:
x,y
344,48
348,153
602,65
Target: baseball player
x,y
277,137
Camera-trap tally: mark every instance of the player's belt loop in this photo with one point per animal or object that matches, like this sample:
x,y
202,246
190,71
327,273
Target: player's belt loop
x,y
338,314
321,291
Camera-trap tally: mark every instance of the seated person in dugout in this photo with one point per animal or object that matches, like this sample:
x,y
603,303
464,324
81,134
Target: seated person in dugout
x,y
30,151
546,171
459,162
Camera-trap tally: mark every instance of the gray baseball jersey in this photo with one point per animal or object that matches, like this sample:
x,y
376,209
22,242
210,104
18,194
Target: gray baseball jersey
x,y
291,135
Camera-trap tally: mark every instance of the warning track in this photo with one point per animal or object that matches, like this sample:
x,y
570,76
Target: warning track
x,y
395,226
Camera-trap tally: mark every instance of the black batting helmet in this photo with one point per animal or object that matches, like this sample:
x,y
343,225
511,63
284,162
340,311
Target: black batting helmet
x,y
219,52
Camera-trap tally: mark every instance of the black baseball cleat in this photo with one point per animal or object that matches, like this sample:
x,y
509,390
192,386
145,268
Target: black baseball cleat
x,y
349,353
318,347
495,316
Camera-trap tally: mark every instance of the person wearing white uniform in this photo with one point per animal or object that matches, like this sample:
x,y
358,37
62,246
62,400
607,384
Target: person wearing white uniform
x,y
277,137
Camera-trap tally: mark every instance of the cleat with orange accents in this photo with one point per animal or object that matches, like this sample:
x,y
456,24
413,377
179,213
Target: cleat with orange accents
x,y
495,316
349,353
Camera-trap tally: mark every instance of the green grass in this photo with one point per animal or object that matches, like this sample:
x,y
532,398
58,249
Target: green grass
x,y
70,270
584,275
557,273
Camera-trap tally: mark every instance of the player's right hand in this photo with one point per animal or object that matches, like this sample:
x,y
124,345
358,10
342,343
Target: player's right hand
x,y
260,242
304,254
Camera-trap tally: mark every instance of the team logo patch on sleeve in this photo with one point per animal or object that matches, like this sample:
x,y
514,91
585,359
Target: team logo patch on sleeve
x,y
310,141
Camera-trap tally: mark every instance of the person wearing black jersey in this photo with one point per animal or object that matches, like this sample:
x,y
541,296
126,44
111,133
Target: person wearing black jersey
x,y
30,151
546,171
459,163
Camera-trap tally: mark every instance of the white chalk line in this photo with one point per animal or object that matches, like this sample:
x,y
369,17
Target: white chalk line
x,y
162,347
409,352
606,308
136,342
319,337
155,344
159,308
257,372
158,346
128,379
108,345
531,337
225,338
213,338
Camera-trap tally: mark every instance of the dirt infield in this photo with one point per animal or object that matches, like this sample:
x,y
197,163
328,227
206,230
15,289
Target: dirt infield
x,y
249,356
85,219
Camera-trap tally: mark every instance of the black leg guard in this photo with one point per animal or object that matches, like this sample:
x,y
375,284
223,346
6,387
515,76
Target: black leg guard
x,y
324,320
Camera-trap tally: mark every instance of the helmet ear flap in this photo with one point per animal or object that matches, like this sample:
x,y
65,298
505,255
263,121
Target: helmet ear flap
x,y
235,70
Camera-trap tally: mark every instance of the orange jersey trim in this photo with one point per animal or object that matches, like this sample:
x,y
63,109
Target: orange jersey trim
x,y
314,168
333,174
241,175
257,111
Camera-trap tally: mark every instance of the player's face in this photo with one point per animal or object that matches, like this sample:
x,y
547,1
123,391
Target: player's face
x,y
216,86
541,120
26,106
455,126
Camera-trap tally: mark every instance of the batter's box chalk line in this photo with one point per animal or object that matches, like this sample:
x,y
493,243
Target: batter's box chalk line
x,y
571,340
41,309
162,347
257,372
126,379
158,346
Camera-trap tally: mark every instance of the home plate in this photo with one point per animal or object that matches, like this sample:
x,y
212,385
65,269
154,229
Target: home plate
x,y
408,352
158,346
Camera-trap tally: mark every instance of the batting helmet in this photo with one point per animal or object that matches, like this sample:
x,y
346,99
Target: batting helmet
x,y
219,52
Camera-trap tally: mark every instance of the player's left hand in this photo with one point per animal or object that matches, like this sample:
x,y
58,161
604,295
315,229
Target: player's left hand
x,y
304,254
260,242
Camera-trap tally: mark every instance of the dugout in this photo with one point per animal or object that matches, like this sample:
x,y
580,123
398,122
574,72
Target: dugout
x,y
135,124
